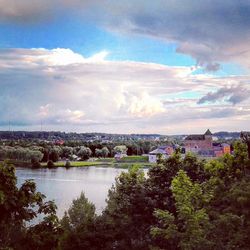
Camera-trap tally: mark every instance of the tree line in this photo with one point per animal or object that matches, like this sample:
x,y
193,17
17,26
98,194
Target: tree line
x,y
71,150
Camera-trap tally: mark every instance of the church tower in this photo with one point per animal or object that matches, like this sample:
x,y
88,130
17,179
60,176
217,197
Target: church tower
x,y
209,138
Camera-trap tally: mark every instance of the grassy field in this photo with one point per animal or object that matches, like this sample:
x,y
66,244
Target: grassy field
x,y
125,162
109,159
134,158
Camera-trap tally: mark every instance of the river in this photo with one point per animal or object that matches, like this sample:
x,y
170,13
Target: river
x,y
63,185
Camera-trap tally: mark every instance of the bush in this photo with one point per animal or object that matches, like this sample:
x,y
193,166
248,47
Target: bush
x,y
67,164
50,164
35,163
54,156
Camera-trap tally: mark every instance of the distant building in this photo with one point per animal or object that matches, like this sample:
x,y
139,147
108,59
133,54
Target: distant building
x,y
162,151
59,142
119,156
195,143
221,149
203,145
75,158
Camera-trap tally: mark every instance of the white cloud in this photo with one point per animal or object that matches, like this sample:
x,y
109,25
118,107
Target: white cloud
x,y
44,110
99,57
83,94
43,57
57,57
50,112
143,105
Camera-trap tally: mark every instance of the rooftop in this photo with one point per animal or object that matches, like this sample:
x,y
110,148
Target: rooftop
x,y
208,132
198,137
195,137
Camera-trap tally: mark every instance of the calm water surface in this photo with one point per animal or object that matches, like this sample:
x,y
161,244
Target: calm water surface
x,y
63,185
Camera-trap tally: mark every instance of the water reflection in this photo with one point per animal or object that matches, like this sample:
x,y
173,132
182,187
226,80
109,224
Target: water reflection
x,y
63,185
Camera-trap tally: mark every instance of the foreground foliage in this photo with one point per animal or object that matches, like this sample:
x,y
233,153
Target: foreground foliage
x,y
180,204
19,206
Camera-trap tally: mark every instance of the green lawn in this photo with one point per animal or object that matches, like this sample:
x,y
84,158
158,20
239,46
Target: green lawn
x,y
125,162
109,159
134,158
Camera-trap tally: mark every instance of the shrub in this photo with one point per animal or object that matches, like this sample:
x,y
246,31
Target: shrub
x,y
67,164
35,163
50,164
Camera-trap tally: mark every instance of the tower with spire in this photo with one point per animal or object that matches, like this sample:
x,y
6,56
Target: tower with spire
x,y
197,142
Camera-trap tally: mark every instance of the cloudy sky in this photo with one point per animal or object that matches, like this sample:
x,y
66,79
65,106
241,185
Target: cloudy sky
x,y
134,66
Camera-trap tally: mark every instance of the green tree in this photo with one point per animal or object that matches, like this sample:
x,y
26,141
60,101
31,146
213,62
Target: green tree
x,y
84,152
124,223
245,136
19,206
46,234
36,155
45,155
105,152
67,164
229,210
78,225
194,167
98,152
50,164
240,158
121,149
54,155
159,182
189,228
67,152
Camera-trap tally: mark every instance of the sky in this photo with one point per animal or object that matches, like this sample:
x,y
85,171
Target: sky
x,y
134,66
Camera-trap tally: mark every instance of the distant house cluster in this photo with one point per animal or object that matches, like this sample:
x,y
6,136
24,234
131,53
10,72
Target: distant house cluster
x,y
163,151
119,156
203,145
200,144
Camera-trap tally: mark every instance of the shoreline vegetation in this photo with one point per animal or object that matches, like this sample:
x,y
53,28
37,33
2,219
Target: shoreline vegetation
x,y
119,153
126,162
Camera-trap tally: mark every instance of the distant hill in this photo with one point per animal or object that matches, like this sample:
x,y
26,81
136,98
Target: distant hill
x,y
57,135
225,135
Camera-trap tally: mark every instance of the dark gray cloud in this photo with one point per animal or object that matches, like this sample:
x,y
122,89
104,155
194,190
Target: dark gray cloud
x,y
232,94
30,11
210,31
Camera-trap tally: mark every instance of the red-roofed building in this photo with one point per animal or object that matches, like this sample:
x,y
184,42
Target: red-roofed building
x,y
195,143
202,144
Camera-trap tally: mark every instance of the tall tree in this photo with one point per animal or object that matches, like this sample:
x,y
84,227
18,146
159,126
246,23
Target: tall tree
x,y
245,136
19,206
78,225
187,229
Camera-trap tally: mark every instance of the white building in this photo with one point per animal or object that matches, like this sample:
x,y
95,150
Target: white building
x,y
163,151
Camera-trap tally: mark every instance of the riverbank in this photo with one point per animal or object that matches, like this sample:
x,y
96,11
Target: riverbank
x,y
99,164
125,162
